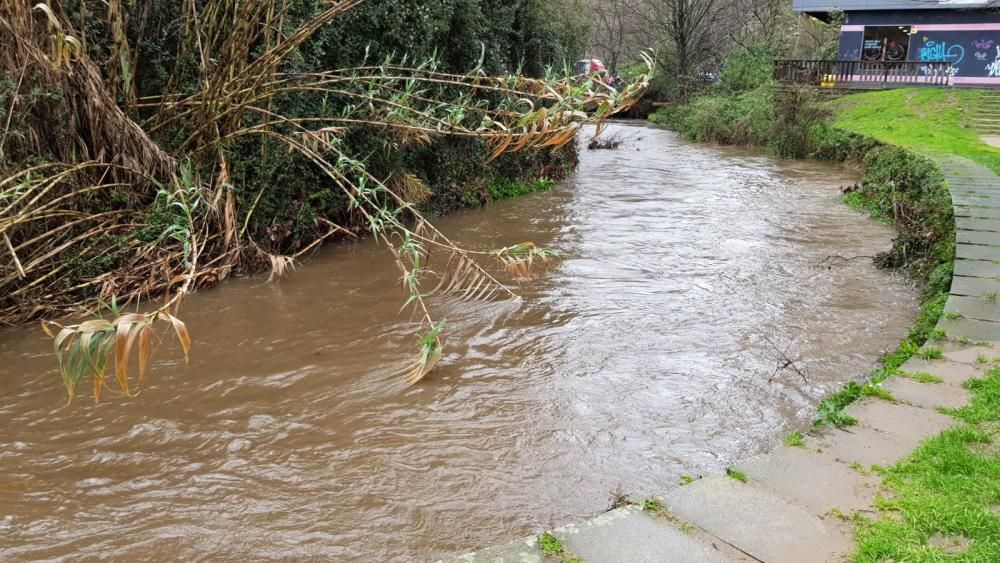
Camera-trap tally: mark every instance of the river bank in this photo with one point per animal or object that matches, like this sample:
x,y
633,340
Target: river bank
x,y
294,410
932,129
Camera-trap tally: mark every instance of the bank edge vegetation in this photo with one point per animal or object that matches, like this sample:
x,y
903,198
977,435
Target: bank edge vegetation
x,y
141,187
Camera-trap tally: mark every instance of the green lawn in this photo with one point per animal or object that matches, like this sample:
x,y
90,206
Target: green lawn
x,y
949,487
923,119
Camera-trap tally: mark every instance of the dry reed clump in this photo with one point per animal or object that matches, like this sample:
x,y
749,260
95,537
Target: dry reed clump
x,y
109,215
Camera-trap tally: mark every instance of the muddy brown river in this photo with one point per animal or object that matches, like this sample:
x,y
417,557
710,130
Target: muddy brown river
x,y
647,352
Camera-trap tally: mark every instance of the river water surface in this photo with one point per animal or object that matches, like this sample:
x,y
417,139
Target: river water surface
x,y
647,352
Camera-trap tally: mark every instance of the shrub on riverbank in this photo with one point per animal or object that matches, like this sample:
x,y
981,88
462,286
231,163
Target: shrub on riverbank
x,y
738,109
746,108
910,191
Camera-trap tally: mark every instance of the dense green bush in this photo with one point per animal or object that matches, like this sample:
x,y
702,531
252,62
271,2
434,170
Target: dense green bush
x,y
739,109
289,194
910,190
747,70
529,34
830,143
798,116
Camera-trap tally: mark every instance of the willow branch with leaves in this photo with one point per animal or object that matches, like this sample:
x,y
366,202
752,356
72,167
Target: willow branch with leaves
x,y
153,176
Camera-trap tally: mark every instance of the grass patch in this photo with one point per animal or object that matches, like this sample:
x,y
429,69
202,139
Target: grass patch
x,y
984,360
921,377
686,480
858,201
856,465
838,514
657,508
831,409
876,390
950,485
796,440
932,120
938,335
511,188
552,547
738,475
931,353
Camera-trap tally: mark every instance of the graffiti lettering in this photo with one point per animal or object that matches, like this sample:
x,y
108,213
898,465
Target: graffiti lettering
x,y
937,71
993,69
981,56
983,44
941,52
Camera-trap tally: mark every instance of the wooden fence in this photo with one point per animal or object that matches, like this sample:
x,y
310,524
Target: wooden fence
x,y
862,74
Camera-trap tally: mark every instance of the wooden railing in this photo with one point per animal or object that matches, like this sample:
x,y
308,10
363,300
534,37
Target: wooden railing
x,y
862,74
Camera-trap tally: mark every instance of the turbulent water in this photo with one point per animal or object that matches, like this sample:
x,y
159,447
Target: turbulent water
x,y
648,351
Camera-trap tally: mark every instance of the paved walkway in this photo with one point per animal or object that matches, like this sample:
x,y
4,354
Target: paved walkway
x,y
793,505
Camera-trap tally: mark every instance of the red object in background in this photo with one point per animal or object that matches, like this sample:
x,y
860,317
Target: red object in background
x,y
589,66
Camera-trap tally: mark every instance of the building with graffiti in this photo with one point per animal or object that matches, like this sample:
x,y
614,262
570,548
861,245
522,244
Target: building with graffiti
x,y
963,33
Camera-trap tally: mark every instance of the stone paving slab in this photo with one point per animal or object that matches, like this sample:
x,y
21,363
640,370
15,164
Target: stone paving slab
x,y
974,199
975,211
862,445
927,395
973,180
970,354
978,202
977,224
970,328
626,534
963,172
909,424
520,551
976,179
976,237
991,140
974,193
970,199
977,252
757,521
974,308
953,373
977,269
975,287
811,479
630,534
